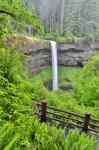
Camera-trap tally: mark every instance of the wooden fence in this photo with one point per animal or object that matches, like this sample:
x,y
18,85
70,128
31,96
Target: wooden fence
x,y
65,118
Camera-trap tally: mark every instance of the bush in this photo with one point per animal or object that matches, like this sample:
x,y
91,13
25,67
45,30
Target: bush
x,y
87,88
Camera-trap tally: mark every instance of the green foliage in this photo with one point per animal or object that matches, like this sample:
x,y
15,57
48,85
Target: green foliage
x,y
61,38
75,141
19,129
87,88
4,25
66,75
23,130
61,99
68,38
47,138
8,139
34,135
10,65
15,10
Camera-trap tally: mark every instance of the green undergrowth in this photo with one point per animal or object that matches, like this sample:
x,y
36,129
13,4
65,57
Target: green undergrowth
x,y
42,77
35,135
19,128
61,38
65,38
66,75
87,87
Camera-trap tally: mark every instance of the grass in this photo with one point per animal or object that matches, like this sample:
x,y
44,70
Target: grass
x,y
67,75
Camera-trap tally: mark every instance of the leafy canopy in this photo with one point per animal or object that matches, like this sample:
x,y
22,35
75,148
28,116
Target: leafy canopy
x,y
15,10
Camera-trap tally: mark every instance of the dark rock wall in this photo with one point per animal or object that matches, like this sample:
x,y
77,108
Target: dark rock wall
x,y
38,60
73,57
69,54
38,52
41,58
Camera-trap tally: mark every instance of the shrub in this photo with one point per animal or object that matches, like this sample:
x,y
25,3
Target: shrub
x,y
87,88
10,65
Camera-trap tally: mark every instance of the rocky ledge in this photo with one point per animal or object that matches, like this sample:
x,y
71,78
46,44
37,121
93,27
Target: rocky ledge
x,y
38,53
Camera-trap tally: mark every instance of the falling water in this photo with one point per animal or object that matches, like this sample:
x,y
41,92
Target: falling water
x,y
54,65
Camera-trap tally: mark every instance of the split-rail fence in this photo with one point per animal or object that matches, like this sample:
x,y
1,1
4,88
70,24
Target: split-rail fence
x,y
65,118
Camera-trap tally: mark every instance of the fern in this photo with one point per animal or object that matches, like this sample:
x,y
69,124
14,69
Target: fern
x,y
12,143
77,141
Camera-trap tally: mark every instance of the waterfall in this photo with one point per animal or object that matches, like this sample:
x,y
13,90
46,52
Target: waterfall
x,y
54,65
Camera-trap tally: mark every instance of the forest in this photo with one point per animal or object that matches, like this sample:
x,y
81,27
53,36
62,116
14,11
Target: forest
x,y
26,29
69,17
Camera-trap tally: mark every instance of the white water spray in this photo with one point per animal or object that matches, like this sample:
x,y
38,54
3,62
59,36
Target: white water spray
x,y
54,65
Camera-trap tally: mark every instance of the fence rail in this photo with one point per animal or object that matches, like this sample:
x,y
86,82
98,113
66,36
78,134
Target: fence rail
x,y
85,123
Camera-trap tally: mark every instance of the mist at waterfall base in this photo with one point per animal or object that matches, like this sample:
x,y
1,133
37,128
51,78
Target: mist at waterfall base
x,y
54,65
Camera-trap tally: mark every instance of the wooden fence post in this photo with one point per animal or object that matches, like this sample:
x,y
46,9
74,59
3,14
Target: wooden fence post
x,y
86,122
43,111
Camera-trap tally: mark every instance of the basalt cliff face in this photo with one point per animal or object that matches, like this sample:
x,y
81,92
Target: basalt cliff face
x,y
38,53
74,53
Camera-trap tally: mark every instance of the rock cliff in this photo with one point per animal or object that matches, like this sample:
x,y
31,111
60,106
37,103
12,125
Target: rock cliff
x,y
38,52
74,53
